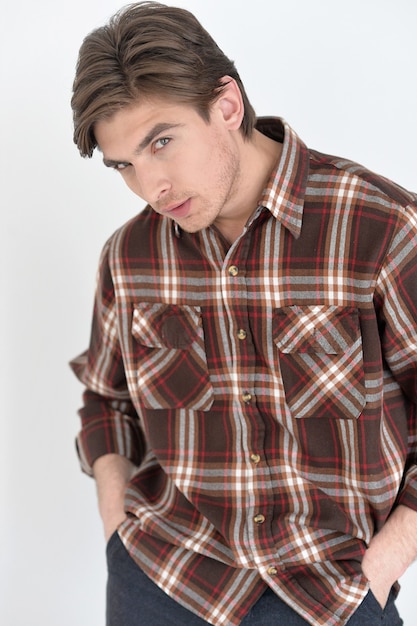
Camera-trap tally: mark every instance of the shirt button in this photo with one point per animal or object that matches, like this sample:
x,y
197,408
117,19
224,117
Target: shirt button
x,y
259,519
272,571
233,270
255,458
241,334
246,397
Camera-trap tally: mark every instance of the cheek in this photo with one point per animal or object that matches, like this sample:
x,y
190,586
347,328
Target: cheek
x,y
198,169
132,182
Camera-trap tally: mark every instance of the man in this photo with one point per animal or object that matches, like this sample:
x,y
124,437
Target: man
x,y
250,405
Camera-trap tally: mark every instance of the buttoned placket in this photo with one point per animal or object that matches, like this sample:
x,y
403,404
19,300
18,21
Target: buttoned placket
x,y
236,287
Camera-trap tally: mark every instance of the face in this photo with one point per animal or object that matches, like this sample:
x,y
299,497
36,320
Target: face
x,y
184,167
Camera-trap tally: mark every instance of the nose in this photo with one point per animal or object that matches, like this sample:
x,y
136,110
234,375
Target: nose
x,y
150,182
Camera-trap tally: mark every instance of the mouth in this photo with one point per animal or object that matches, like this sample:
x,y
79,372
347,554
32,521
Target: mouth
x,y
178,210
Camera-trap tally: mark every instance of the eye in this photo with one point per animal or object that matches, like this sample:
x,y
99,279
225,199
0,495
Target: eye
x,y
161,143
119,167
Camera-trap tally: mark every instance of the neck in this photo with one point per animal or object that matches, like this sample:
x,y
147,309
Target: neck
x,y
259,157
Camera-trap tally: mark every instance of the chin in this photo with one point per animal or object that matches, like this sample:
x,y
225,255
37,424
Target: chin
x,y
192,228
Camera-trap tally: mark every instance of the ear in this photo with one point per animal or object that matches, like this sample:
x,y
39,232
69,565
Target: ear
x,y
229,105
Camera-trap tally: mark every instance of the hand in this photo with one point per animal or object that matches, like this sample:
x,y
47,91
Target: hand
x,y
380,580
390,552
112,472
111,523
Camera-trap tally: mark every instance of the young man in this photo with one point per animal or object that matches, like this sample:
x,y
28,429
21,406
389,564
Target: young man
x,y
251,382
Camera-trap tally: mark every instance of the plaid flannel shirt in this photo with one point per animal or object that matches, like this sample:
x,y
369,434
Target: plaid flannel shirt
x,y
265,390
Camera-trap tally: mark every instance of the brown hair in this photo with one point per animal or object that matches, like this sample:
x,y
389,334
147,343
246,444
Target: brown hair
x,y
148,49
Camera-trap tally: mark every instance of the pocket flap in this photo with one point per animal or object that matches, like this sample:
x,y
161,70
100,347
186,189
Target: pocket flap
x,y
317,328
159,325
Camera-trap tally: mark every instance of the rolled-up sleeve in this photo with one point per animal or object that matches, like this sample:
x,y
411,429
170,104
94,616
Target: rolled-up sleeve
x,y
109,421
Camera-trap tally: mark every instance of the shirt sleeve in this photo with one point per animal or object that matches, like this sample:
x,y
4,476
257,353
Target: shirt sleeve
x,y
397,290
109,421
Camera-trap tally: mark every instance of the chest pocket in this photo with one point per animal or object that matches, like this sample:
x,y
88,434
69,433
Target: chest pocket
x,y
321,360
169,357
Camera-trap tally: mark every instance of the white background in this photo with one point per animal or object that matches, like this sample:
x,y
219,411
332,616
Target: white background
x,y
342,74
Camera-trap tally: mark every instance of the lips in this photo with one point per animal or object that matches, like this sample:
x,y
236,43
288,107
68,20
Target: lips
x,y
179,210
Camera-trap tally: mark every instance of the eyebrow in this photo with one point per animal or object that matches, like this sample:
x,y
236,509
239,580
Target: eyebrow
x,y
152,134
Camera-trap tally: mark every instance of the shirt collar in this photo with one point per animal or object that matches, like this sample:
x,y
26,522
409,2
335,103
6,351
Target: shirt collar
x,y
284,194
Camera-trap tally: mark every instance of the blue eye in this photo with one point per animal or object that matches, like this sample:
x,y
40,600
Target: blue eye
x,y
161,143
